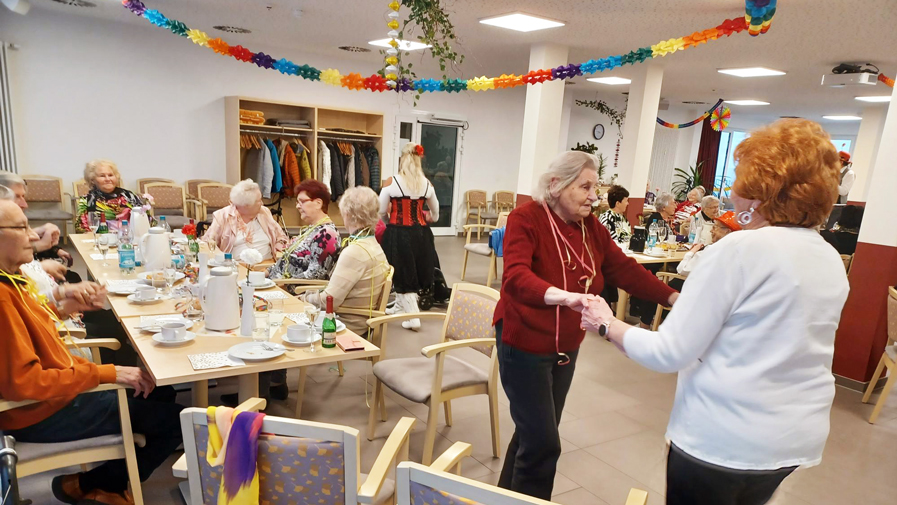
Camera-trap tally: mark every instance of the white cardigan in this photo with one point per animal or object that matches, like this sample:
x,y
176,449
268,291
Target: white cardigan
x,y
752,336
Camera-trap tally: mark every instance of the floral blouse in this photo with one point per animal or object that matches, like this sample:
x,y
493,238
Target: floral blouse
x,y
116,205
616,224
310,256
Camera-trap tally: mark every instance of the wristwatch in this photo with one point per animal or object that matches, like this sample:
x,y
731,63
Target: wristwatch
x,y
604,328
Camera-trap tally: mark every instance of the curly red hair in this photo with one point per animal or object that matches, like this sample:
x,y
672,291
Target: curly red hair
x,y
316,190
792,168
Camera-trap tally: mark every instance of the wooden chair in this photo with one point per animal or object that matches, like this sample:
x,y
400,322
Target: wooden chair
x,y
298,461
80,188
170,201
379,310
478,207
481,248
666,277
192,185
45,198
34,458
504,201
141,184
210,197
467,323
418,484
848,260
888,360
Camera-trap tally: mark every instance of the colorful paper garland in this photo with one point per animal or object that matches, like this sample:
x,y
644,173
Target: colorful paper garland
x,y
757,19
886,80
719,118
703,116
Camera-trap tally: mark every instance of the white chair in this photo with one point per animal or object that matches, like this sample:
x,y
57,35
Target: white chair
x,y
483,248
468,323
888,360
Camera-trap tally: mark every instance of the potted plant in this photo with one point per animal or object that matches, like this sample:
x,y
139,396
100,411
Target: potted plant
x,y
686,180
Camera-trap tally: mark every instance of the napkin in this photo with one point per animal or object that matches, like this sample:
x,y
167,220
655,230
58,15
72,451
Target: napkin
x,y
209,360
272,295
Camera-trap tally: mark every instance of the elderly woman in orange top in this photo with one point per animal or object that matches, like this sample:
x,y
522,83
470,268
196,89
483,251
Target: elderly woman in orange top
x,y
246,224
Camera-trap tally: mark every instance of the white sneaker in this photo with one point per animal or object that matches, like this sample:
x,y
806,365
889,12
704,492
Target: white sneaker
x,y
411,324
394,308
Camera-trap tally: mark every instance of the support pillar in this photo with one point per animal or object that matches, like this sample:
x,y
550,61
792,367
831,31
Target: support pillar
x,y
862,334
638,134
865,151
541,119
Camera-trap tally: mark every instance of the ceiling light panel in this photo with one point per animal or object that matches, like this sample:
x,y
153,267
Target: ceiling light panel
x,y
842,118
521,22
612,81
886,98
745,102
750,72
404,45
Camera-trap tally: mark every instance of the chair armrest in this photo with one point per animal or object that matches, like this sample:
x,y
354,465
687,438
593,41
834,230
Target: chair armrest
x,y
295,282
179,468
9,404
253,405
354,311
451,457
99,343
637,497
432,350
302,289
378,321
470,227
397,440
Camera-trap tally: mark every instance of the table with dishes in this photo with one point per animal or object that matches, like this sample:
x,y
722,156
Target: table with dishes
x,y
177,347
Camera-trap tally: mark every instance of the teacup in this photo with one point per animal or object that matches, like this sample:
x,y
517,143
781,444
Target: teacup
x,y
174,331
299,333
219,258
257,278
145,293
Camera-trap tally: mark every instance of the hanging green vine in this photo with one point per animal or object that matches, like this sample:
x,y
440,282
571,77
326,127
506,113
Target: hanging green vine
x,y
616,117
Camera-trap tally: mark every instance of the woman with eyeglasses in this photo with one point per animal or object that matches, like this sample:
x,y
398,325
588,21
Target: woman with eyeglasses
x,y
557,256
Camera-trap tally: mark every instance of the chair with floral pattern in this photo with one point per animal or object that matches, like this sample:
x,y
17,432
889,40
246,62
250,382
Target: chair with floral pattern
x,y
210,196
45,197
483,248
437,378
169,200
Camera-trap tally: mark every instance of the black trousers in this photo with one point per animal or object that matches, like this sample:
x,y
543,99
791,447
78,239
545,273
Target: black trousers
x,y
644,309
691,481
537,388
96,414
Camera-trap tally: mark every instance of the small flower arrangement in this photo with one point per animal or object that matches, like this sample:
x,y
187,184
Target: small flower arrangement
x,y
190,231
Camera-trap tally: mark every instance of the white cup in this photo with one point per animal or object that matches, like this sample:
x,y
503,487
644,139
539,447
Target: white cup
x,y
256,278
219,258
174,331
299,333
145,293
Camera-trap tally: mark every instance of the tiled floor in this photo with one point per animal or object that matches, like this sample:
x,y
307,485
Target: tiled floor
x,y
612,429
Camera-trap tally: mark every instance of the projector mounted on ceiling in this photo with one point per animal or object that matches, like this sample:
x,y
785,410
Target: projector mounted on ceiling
x,y
849,74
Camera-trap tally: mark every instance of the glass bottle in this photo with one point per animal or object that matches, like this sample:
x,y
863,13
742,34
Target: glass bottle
x,y
126,257
103,227
328,326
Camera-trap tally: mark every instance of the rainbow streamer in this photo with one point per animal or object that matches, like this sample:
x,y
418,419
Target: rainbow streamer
x,y
886,80
703,116
757,20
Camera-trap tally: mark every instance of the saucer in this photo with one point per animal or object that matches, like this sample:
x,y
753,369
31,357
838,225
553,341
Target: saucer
x,y
187,338
133,299
286,340
156,325
268,284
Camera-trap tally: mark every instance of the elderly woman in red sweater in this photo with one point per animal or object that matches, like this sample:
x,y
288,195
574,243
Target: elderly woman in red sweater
x,y
557,255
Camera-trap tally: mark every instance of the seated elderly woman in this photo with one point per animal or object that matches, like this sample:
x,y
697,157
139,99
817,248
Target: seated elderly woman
x,y
361,269
105,195
246,224
691,205
702,220
722,226
312,253
40,368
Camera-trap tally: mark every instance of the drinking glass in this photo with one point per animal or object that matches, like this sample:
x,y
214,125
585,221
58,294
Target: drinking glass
x,y
212,245
169,272
103,244
261,327
275,312
312,313
93,223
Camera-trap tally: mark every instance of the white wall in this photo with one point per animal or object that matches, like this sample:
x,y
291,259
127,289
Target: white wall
x,y
153,102
582,124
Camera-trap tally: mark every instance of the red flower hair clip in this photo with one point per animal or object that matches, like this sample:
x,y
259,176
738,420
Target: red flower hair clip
x,y
419,150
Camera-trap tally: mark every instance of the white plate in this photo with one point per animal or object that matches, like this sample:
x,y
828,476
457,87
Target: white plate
x,y
215,263
187,338
133,299
179,240
656,254
156,325
253,351
122,290
267,285
144,278
286,339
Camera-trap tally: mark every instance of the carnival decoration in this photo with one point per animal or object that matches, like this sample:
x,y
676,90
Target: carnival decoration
x,y
702,117
886,80
757,20
719,118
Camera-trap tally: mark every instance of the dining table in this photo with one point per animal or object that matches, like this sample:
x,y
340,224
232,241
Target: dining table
x,y
171,364
661,257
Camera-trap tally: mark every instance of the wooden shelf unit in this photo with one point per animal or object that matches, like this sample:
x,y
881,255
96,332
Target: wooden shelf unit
x,y
321,119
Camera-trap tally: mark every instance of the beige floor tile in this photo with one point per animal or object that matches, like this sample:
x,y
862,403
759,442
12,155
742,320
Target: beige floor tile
x,y
641,456
562,485
655,419
599,478
588,431
578,496
588,398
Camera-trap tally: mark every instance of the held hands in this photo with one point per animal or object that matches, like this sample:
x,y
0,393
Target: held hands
x,y
80,297
135,378
596,313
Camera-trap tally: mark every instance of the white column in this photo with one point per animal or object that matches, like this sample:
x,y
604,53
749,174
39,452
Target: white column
x,y
878,226
541,118
638,129
866,149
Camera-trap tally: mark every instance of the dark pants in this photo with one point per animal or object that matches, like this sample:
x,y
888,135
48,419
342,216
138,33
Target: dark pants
x,y
103,324
96,414
644,309
537,388
691,481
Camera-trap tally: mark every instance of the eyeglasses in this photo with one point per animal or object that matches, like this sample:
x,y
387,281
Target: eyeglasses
x,y
20,227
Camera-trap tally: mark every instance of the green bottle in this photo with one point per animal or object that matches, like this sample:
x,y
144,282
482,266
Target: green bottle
x,y
328,326
104,227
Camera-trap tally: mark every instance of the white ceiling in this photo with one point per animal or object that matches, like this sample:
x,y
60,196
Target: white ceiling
x,y
808,38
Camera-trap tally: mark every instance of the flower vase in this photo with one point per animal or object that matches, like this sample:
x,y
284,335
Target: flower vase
x,y
193,246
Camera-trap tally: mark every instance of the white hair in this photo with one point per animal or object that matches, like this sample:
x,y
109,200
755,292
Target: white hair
x,y
562,172
245,192
709,200
6,193
663,200
361,206
10,179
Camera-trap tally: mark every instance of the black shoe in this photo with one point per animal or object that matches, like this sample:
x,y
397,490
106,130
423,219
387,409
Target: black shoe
x,y
279,392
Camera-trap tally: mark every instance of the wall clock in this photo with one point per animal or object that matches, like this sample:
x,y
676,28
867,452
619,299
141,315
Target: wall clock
x,y
598,132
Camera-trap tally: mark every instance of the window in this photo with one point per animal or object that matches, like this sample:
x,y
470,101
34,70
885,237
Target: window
x,y
725,164
842,144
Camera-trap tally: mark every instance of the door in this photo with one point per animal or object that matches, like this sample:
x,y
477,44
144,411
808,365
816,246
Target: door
x,y
441,163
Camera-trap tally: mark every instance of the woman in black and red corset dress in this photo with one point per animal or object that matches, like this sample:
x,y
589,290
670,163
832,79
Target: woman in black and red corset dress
x,y
408,240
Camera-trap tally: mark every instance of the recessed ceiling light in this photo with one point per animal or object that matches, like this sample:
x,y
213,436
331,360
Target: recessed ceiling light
x,y
746,102
404,45
355,49
521,22
612,81
750,72
843,118
886,98
231,29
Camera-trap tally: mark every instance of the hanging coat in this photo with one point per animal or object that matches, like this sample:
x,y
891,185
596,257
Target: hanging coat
x,y
290,172
336,174
374,162
359,173
276,180
324,164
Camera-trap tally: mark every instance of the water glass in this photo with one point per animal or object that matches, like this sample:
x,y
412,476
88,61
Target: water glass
x,y
169,272
103,244
93,223
275,312
261,327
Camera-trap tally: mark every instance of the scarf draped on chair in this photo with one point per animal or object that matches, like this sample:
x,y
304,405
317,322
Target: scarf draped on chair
x,y
233,442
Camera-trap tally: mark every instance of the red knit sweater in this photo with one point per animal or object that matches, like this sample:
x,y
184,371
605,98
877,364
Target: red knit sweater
x,y
532,265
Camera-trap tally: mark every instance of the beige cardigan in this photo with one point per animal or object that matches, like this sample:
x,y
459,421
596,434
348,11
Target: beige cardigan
x,y
361,266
